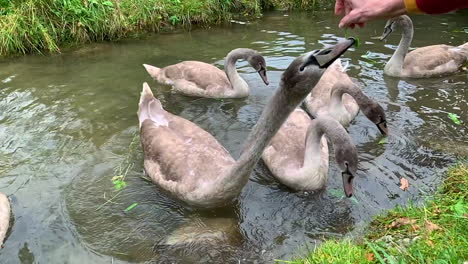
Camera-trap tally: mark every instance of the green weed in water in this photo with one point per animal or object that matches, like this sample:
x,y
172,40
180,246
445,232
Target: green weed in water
x,y
336,193
367,57
133,205
464,30
454,118
119,182
383,140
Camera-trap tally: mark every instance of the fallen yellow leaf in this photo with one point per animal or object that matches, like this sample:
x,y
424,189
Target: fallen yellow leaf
x,y
404,184
431,226
401,222
414,228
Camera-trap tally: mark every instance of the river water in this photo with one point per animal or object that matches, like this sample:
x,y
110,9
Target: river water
x,y
67,123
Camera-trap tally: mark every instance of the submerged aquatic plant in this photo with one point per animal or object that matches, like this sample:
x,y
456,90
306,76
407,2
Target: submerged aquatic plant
x,y
133,205
454,118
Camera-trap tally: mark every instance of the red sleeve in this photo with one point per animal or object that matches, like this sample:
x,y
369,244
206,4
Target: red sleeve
x,y
440,6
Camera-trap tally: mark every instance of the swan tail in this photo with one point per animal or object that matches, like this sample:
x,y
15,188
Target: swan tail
x,y
152,71
5,211
464,46
150,108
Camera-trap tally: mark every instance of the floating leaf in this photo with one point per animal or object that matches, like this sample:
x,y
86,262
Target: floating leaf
x,y
354,200
383,140
119,185
336,193
404,184
133,205
367,57
454,118
118,182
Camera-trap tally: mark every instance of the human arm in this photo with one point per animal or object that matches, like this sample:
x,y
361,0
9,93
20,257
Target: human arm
x,y
358,12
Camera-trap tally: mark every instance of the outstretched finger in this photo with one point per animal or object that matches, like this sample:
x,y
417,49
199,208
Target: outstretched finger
x,y
350,19
339,7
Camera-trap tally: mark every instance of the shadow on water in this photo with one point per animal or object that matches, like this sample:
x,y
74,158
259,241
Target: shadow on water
x,y
67,122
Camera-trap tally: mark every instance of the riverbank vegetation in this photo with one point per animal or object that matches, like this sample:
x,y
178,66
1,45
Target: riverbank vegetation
x,y
433,233
46,25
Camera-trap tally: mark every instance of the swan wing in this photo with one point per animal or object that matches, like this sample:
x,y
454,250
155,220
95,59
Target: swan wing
x,y
434,60
180,157
286,149
203,75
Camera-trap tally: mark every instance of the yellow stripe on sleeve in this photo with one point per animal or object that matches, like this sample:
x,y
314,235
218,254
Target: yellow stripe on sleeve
x,y
412,7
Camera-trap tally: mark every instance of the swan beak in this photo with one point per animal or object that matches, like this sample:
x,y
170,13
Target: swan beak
x,y
382,126
387,31
347,183
262,73
326,57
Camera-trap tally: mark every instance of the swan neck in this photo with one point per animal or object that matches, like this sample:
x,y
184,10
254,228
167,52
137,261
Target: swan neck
x,y
314,164
273,116
313,167
337,94
395,64
238,84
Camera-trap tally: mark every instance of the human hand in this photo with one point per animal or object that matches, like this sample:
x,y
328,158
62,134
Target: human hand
x,y
358,12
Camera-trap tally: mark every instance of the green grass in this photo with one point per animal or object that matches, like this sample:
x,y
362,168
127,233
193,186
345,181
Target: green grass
x,y
45,25
300,4
434,233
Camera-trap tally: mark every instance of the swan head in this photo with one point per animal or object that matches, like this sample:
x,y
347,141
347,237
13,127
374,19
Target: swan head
x,y
258,63
305,71
347,159
394,23
375,113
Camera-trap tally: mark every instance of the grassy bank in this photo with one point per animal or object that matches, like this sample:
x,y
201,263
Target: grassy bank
x,y
434,233
45,25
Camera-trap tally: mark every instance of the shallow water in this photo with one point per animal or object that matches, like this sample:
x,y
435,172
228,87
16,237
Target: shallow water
x,y
66,123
